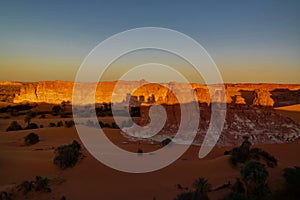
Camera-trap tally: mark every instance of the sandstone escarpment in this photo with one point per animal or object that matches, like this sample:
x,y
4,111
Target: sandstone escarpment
x,y
242,94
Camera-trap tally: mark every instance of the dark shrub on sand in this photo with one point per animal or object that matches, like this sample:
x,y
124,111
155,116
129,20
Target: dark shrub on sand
x,y
67,155
31,139
14,126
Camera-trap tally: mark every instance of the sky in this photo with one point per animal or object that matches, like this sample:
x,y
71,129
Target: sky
x,y
250,41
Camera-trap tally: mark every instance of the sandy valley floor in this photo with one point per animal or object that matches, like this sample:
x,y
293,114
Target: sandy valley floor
x,y
90,179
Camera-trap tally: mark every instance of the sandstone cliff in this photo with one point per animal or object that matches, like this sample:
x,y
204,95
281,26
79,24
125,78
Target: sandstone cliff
x,y
245,94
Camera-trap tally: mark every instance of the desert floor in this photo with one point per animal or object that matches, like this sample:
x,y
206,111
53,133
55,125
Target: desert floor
x,y
90,179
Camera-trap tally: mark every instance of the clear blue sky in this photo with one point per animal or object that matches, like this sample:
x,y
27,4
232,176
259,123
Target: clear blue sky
x,y
253,41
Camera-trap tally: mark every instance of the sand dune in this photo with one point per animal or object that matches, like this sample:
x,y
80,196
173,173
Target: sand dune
x,y
90,179
292,112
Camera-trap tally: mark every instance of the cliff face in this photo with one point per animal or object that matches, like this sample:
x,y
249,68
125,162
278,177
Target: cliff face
x,y
242,94
243,116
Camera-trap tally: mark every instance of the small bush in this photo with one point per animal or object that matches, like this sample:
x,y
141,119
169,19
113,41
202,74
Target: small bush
x,y
5,196
292,177
56,110
107,125
67,155
51,124
140,151
166,141
185,196
32,126
43,116
114,125
64,115
14,126
59,124
31,139
101,124
89,123
40,184
235,196
69,124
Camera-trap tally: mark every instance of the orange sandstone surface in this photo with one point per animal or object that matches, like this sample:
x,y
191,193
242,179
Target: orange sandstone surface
x,y
57,91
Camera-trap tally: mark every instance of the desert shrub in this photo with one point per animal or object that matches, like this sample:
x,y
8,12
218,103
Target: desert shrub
x,y
235,196
135,112
89,123
185,196
292,177
56,110
257,154
59,124
128,123
202,187
25,186
43,116
140,151
101,124
31,113
14,126
67,155
107,125
41,126
31,139
244,153
64,115
69,124
52,124
6,117
238,187
254,175
41,184
114,125
5,196
166,141
32,126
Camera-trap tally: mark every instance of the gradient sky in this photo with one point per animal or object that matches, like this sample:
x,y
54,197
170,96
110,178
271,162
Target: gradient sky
x,y
253,41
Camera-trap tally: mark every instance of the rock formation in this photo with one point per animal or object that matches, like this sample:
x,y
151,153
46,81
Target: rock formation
x,y
57,91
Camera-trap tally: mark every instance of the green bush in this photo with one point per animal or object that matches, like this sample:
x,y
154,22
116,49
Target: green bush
x,y
14,126
67,155
31,139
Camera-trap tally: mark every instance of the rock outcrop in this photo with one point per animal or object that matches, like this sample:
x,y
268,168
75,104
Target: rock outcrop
x,y
57,91
250,106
